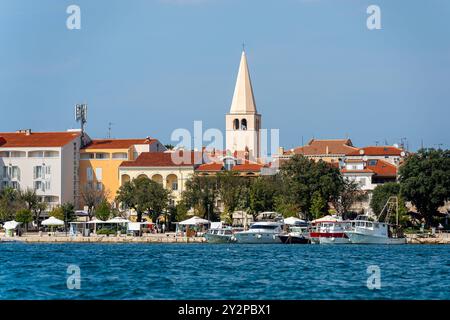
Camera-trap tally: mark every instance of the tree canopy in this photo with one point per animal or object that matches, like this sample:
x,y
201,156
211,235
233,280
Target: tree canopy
x,y
425,181
144,195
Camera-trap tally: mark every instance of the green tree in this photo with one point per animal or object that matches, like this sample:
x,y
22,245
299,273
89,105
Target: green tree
x,y
143,195
317,205
349,194
425,181
57,212
92,197
286,208
33,203
262,193
232,190
303,177
201,193
25,217
103,211
10,203
381,195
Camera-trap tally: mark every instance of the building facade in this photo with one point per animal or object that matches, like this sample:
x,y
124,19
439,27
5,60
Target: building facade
x,y
47,162
161,167
101,158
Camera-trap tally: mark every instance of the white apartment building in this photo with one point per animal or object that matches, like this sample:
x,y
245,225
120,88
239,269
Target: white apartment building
x,y
47,162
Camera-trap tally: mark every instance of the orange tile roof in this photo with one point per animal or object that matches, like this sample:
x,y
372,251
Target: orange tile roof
x,y
36,139
213,166
326,147
377,151
161,159
357,171
117,143
247,167
383,168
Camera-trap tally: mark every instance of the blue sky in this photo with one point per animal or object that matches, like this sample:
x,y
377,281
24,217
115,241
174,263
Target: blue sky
x,y
152,66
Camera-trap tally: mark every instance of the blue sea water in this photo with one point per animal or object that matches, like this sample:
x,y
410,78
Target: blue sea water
x,y
207,271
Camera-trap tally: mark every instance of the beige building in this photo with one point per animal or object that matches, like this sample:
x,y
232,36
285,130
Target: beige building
x,y
160,167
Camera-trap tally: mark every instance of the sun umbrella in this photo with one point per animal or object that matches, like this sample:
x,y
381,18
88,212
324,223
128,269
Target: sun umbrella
x,y
194,221
117,220
11,225
52,221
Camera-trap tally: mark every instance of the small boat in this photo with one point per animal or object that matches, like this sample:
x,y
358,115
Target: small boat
x,y
296,235
329,230
366,231
219,235
260,232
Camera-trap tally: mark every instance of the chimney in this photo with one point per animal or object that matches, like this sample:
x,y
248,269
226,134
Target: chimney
x,y
26,131
327,151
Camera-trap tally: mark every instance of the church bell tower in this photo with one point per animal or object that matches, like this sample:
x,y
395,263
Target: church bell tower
x,y
243,123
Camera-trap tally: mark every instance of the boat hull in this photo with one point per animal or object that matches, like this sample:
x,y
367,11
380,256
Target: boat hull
x,y
215,238
288,239
255,238
329,238
360,238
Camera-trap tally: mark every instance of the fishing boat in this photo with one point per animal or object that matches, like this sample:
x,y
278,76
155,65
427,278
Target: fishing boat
x,y
366,231
296,235
260,232
329,230
219,235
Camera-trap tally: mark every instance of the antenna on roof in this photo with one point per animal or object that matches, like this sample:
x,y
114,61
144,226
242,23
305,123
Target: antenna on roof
x,y
109,129
81,116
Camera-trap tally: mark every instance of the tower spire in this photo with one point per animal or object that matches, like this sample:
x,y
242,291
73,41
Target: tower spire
x,y
243,98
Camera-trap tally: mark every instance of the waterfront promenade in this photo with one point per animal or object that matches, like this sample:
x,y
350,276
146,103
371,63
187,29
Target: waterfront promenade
x,y
439,238
60,238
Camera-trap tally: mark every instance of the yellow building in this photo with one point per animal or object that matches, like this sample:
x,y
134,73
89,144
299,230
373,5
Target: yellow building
x,y
100,161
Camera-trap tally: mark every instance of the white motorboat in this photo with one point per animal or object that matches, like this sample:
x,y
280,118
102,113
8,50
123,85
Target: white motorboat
x,y
365,231
260,232
219,235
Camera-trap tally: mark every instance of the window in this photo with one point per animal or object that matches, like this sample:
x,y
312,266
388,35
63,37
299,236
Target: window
x,y
15,185
99,186
48,170
120,155
18,154
36,154
174,185
89,174
244,124
236,124
15,172
39,185
38,172
372,162
102,155
51,154
87,156
98,174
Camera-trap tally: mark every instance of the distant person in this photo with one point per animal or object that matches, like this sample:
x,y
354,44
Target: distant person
x,y
163,227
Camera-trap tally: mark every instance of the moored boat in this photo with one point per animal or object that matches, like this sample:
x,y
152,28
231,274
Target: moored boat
x,y
219,235
296,235
329,230
374,232
260,232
